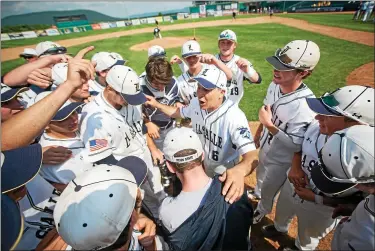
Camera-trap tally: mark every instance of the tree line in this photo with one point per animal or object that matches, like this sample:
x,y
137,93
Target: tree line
x,y
24,27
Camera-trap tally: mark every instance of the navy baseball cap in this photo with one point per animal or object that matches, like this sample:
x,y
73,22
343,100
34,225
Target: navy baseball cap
x,y
65,111
212,78
136,166
8,93
19,166
11,223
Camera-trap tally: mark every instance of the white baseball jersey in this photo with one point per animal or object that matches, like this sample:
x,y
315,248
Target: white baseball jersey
x,y
224,133
292,115
357,233
188,89
65,172
106,131
237,88
37,208
313,142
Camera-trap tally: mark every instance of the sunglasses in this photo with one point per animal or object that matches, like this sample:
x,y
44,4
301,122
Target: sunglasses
x,y
285,60
27,56
54,51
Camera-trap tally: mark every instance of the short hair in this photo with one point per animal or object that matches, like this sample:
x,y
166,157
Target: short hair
x,y
308,74
181,167
159,70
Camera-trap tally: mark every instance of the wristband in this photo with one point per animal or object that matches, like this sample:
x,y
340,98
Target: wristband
x,y
249,72
318,199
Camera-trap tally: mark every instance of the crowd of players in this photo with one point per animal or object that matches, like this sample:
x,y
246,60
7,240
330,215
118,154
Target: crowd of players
x,y
97,157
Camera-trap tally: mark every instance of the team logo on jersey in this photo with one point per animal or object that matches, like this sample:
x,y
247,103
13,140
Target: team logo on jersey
x,y
244,132
204,73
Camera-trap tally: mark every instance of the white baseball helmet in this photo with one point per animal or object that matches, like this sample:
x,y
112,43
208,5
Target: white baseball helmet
x,y
298,54
228,35
156,51
190,48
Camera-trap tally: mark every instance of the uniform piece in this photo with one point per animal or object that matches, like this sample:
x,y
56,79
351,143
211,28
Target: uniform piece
x,y
224,133
37,209
65,172
291,114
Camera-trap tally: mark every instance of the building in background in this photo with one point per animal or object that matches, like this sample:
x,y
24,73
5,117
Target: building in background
x,y
69,24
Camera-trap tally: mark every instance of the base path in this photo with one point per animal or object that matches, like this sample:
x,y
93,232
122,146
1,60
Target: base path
x,y
361,37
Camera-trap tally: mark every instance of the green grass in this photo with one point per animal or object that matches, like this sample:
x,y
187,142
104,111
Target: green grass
x,y
336,20
256,42
31,41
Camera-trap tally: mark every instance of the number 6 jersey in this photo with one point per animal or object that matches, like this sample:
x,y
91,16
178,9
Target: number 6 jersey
x,y
224,133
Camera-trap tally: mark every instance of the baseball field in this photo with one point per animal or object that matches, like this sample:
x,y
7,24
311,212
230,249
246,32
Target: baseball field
x,y
347,55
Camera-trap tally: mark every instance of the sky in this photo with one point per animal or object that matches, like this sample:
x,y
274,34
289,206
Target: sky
x,y
111,8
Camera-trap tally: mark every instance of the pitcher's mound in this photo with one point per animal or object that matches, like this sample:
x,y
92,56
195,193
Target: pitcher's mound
x,y
363,75
167,42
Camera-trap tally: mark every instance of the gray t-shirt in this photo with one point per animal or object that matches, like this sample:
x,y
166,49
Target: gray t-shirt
x,y
175,210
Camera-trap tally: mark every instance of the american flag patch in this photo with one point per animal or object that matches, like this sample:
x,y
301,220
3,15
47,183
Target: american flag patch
x,y
97,144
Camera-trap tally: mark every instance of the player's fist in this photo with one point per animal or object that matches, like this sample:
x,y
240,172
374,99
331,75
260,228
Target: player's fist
x,y
40,77
148,229
54,155
265,115
305,193
176,60
243,64
297,176
81,54
153,130
207,59
80,71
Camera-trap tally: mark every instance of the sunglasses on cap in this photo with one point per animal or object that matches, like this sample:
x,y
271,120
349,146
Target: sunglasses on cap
x,y
285,60
28,56
54,51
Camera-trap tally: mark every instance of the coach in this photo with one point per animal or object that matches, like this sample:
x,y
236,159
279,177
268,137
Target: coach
x,y
222,128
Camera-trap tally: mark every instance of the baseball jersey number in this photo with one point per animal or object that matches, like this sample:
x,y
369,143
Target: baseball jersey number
x,y
234,91
276,123
215,155
311,163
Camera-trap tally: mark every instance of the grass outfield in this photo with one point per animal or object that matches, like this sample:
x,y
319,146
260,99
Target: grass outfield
x,y
256,42
30,41
336,20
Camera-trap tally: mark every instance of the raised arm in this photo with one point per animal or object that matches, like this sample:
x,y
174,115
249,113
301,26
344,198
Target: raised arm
x,y
170,111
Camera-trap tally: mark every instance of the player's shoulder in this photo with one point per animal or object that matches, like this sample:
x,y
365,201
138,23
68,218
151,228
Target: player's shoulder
x,y
234,112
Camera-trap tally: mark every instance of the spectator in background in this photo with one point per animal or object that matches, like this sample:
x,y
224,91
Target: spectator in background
x,y
29,55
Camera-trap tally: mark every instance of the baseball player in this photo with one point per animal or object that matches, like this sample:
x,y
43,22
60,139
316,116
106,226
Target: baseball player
x,y
285,117
242,68
104,62
339,170
62,131
157,33
312,207
29,55
222,128
10,104
192,54
158,51
112,128
35,197
100,209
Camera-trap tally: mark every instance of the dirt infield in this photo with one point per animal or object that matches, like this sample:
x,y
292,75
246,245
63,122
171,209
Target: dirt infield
x,y
167,42
363,75
361,37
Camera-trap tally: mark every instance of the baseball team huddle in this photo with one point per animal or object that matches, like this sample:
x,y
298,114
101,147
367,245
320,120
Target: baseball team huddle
x,y
97,157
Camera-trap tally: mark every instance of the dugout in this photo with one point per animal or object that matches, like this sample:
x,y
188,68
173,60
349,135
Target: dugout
x,y
70,24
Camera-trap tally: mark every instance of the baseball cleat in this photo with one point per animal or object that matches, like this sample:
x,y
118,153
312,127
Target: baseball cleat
x,y
270,231
258,216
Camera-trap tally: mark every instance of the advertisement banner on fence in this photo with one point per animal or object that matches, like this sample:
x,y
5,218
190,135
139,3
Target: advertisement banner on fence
x,y
104,25
227,7
120,23
112,25
218,13
159,19
202,10
150,20
4,37
136,22
143,21
29,34
181,16
218,7
234,6
194,15
52,32
210,13
96,26
227,12
167,18
15,35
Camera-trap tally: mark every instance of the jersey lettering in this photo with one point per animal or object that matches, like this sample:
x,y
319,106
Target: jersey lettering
x,y
127,139
209,135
